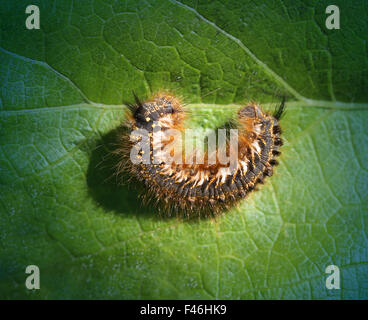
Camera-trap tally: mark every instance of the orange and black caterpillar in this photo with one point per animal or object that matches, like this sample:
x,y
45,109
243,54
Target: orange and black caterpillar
x,y
200,188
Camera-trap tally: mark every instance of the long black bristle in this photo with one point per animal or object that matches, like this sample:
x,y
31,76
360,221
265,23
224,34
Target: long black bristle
x,y
280,110
133,106
137,101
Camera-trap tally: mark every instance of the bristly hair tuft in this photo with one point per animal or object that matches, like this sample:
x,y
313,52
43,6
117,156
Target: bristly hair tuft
x,y
280,110
133,106
137,101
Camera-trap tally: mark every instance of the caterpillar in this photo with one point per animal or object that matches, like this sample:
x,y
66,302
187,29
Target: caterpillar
x,y
197,188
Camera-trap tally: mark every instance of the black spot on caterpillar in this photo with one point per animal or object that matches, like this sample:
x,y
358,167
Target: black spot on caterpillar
x,y
199,188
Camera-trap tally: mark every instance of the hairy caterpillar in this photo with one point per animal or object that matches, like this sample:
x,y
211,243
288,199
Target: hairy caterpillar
x,y
205,187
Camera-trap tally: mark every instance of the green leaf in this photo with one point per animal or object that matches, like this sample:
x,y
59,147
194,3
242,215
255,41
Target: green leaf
x,y
62,90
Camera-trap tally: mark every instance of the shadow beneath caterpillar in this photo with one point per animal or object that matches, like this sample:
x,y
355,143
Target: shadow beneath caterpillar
x,y
113,192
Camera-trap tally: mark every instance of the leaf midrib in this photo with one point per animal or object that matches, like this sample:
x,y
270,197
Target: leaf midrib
x,y
300,102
